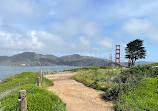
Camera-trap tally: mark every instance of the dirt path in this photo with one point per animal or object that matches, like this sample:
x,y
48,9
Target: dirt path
x,y
77,96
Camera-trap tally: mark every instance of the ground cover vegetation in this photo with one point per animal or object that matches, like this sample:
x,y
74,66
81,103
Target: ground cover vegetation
x,y
39,99
132,89
154,64
89,68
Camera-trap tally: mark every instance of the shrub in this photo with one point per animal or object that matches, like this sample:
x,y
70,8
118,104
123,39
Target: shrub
x,y
154,64
130,78
105,67
143,97
98,79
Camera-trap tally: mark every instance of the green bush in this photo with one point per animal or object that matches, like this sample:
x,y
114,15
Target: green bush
x,y
98,79
154,64
142,98
129,79
137,73
89,68
105,67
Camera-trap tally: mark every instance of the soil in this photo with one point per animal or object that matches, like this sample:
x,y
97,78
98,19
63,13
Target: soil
x,y
77,96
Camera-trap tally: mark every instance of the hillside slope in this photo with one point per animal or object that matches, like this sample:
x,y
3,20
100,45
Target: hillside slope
x,y
38,98
31,58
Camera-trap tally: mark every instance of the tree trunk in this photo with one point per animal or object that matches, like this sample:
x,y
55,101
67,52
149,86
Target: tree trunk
x,y
133,62
129,62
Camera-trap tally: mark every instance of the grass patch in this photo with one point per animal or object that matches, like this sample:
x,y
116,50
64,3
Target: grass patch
x,y
143,98
89,68
18,80
39,99
97,79
154,64
46,82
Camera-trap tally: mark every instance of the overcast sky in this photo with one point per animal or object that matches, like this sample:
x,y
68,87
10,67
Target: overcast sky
x,y
86,27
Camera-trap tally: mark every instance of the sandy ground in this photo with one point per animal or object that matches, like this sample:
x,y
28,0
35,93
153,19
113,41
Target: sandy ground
x,y
77,96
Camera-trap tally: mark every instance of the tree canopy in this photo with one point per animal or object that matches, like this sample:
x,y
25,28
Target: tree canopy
x,y
135,51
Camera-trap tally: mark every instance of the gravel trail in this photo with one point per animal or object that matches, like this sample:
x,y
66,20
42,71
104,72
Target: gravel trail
x,y
77,96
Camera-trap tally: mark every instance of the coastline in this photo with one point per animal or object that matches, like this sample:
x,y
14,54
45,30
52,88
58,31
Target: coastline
x,y
7,71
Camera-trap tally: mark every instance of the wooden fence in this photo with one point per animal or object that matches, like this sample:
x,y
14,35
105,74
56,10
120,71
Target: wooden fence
x,y
22,94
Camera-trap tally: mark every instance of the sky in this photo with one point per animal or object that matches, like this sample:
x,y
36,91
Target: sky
x,y
85,27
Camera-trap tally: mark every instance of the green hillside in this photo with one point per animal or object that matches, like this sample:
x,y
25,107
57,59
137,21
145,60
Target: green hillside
x,y
31,58
38,98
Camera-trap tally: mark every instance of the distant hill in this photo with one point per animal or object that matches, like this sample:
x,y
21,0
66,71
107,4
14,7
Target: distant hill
x,y
142,62
139,63
31,58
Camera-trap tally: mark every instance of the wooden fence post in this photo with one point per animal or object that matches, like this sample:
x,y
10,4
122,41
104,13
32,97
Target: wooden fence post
x,y
22,96
41,77
48,69
41,74
38,81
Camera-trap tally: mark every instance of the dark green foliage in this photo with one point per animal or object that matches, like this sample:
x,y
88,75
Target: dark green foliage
x,y
130,78
137,73
105,67
114,91
135,51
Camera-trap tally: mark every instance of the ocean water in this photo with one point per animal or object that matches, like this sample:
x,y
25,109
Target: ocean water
x,y
6,71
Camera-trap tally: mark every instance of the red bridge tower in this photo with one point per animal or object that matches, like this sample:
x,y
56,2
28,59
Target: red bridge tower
x,y
117,55
110,57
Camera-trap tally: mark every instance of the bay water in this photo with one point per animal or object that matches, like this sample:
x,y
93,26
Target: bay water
x,y
6,71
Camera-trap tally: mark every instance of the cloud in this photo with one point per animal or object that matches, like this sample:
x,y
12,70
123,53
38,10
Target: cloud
x,y
23,14
125,9
106,44
18,42
75,26
137,26
57,44
83,45
46,42
30,9
70,8
68,29
81,35
142,28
